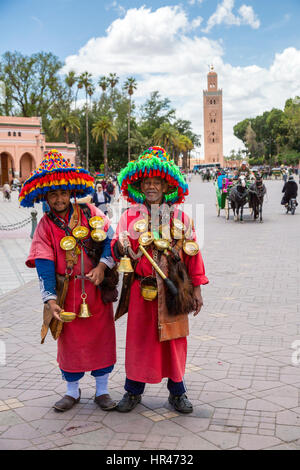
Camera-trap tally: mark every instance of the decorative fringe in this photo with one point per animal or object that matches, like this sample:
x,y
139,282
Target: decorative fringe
x,y
55,173
153,162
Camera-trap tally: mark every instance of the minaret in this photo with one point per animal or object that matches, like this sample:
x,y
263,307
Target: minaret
x,y
213,120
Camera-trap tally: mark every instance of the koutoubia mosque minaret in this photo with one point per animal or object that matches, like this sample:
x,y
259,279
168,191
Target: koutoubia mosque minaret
x,y
213,120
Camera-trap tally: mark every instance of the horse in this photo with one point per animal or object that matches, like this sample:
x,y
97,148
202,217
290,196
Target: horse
x,y
257,192
238,197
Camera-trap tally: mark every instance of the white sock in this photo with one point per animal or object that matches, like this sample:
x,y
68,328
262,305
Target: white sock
x,y
101,385
73,389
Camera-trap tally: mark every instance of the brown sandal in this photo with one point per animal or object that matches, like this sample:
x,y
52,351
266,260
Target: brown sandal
x,y
67,402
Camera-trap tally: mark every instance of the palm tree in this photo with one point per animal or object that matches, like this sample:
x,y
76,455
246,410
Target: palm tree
x,y
130,85
186,145
139,142
70,81
103,83
66,121
85,81
105,129
165,135
113,79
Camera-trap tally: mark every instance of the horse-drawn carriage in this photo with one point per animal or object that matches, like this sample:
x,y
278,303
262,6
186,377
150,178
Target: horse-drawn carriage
x,y
222,195
237,194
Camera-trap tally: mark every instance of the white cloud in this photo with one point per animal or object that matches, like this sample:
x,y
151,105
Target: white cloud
x,y
154,47
248,17
194,2
224,15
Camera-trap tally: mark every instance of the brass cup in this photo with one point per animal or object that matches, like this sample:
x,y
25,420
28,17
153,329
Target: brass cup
x,y
141,225
97,222
146,238
190,247
80,232
177,233
149,289
67,243
162,244
179,225
98,235
67,316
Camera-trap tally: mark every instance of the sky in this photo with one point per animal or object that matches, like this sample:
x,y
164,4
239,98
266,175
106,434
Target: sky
x,y
168,46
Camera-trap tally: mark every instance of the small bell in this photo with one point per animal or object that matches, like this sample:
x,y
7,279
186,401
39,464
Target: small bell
x,y
125,265
84,308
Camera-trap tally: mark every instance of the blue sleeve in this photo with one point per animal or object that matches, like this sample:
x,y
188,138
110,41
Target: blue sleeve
x,y
46,273
106,253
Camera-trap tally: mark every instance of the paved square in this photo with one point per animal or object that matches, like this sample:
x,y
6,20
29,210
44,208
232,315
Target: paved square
x,y
240,375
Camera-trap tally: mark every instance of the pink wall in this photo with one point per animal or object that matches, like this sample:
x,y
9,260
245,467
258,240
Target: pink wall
x,y
21,136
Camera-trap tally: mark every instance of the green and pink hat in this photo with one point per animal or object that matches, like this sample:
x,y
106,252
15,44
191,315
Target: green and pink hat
x,y
154,162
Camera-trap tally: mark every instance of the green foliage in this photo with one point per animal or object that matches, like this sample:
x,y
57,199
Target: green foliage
x,y
274,136
34,87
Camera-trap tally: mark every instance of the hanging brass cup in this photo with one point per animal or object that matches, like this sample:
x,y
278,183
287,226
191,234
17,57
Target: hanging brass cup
x,y
97,222
190,247
176,233
98,235
146,239
178,229
80,232
141,225
84,308
149,288
67,243
162,244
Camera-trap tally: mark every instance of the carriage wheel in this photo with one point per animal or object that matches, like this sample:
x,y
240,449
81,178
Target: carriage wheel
x,y
227,209
217,207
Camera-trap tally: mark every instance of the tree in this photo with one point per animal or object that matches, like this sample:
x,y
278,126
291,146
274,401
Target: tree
x,y
154,113
68,122
103,83
165,135
70,81
32,83
85,81
130,85
113,80
105,129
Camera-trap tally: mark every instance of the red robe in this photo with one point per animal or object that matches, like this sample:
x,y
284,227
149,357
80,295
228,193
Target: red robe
x,y
85,344
147,359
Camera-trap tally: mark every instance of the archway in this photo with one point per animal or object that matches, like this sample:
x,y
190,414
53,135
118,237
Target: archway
x,y
6,168
27,164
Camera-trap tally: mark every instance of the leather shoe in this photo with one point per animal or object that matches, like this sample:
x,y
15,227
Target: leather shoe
x,y
128,402
105,402
67,402
181,403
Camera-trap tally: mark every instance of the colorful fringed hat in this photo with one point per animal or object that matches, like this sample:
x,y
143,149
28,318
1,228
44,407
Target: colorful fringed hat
x,y
153,162
55,172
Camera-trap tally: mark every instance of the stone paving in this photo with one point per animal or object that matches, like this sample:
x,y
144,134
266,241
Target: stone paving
x,y
239,375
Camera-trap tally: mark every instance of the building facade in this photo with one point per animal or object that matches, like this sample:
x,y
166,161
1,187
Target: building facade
x,y
213,120
23,146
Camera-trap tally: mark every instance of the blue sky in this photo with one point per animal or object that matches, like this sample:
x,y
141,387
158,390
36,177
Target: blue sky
x,y
254,45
